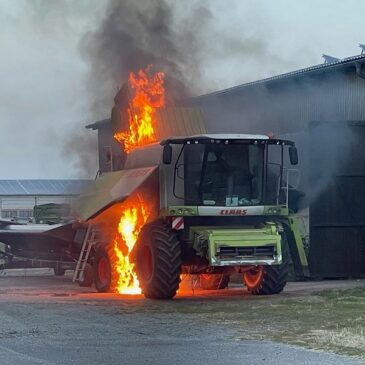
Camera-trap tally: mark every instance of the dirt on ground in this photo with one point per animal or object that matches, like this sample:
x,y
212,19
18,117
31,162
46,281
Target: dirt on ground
x,y
49,320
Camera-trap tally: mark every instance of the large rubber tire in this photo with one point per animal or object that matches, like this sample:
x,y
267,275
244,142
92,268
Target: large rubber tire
x,y
105,277
158,261
266,280
58,271
88,277
213,281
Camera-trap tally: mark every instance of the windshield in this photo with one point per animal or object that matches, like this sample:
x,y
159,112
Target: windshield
x,y
223,174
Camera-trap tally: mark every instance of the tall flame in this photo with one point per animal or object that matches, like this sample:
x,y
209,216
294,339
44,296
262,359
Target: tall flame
x,y
132,220
149,94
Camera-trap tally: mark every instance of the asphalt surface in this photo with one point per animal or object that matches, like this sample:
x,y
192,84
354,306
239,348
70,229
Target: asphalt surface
x,y
49,320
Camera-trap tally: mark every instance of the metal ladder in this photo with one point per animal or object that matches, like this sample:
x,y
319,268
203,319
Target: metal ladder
x,y
88,243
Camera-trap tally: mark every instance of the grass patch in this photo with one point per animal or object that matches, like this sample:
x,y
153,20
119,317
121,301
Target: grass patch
x,y
332,320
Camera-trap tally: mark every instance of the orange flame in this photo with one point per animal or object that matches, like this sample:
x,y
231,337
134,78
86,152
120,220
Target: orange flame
x,y
131,221
149,94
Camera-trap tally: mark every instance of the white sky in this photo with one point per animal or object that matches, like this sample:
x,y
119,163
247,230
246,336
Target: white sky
x,y
43,76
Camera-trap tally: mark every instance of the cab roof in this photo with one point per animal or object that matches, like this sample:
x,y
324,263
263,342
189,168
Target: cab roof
x,y
224,137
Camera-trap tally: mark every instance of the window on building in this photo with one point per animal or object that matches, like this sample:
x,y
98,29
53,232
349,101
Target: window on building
x,y
26,213
16,213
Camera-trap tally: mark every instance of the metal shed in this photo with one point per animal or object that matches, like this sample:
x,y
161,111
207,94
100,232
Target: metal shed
x,y
18,197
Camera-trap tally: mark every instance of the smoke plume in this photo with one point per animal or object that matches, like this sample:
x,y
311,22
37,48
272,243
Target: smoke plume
x,y
180,40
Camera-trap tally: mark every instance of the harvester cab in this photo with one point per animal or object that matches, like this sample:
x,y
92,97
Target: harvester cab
x,y
228,171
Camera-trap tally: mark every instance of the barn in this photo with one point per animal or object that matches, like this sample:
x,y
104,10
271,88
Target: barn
x,y
321,108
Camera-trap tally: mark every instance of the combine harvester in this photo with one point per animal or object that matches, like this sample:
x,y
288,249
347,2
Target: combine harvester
x,y
211,205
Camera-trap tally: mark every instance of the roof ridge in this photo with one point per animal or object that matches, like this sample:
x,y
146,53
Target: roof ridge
x,y
285,75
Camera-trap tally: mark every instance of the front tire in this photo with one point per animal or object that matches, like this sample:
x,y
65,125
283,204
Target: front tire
x,y
158,261
266,280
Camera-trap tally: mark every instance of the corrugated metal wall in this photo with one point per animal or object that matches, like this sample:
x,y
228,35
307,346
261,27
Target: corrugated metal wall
x,y
285,106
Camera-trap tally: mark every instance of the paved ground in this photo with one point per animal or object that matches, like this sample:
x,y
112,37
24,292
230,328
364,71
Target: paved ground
x,y
48,320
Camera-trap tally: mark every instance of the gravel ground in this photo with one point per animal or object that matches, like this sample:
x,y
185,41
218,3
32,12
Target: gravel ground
x,y
48,320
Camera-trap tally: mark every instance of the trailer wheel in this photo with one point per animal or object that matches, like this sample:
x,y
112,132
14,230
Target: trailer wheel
x,y
104,275
88,277
58,271
214,281
158,261
265,280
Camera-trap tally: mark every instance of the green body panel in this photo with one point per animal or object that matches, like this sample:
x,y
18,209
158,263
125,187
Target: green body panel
x,y
296,247
181,211
187,210
279,210
110,188
245,236
293,224
219,237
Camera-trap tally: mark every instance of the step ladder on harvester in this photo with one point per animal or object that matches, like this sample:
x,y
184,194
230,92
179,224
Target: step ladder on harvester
x,y
90,240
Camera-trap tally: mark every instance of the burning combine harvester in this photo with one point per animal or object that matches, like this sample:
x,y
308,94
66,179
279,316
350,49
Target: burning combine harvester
x,y
185,202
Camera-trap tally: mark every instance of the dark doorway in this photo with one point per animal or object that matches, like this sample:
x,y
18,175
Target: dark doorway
x,y
337,195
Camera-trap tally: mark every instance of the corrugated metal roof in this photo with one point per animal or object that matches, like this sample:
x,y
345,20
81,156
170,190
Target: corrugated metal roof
x,y
178,122
43,187
302,72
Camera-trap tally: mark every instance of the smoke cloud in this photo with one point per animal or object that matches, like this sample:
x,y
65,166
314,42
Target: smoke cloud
x,y
182,40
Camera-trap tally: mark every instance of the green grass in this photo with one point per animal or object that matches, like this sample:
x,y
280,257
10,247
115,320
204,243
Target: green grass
x,y
330,320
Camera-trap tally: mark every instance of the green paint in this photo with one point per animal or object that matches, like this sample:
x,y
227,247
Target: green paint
x,y
238,237
293,224
275,210
181,211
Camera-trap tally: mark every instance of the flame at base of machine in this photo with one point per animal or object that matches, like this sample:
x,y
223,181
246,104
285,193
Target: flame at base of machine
x,y
149,94
132,219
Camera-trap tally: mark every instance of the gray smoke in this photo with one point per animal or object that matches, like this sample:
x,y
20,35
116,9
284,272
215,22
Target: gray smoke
x,y
290,108
134,34
182,40
82,144
185,40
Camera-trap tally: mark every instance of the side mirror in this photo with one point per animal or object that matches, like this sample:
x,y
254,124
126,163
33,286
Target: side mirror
x,y
167,154
293,155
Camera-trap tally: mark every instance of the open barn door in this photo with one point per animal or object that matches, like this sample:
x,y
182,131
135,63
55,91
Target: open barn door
x,y
337,189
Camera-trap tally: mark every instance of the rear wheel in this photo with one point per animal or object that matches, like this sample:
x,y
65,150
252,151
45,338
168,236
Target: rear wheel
x,y
87,279
265,280
158,261
214,281
105,277
58,271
